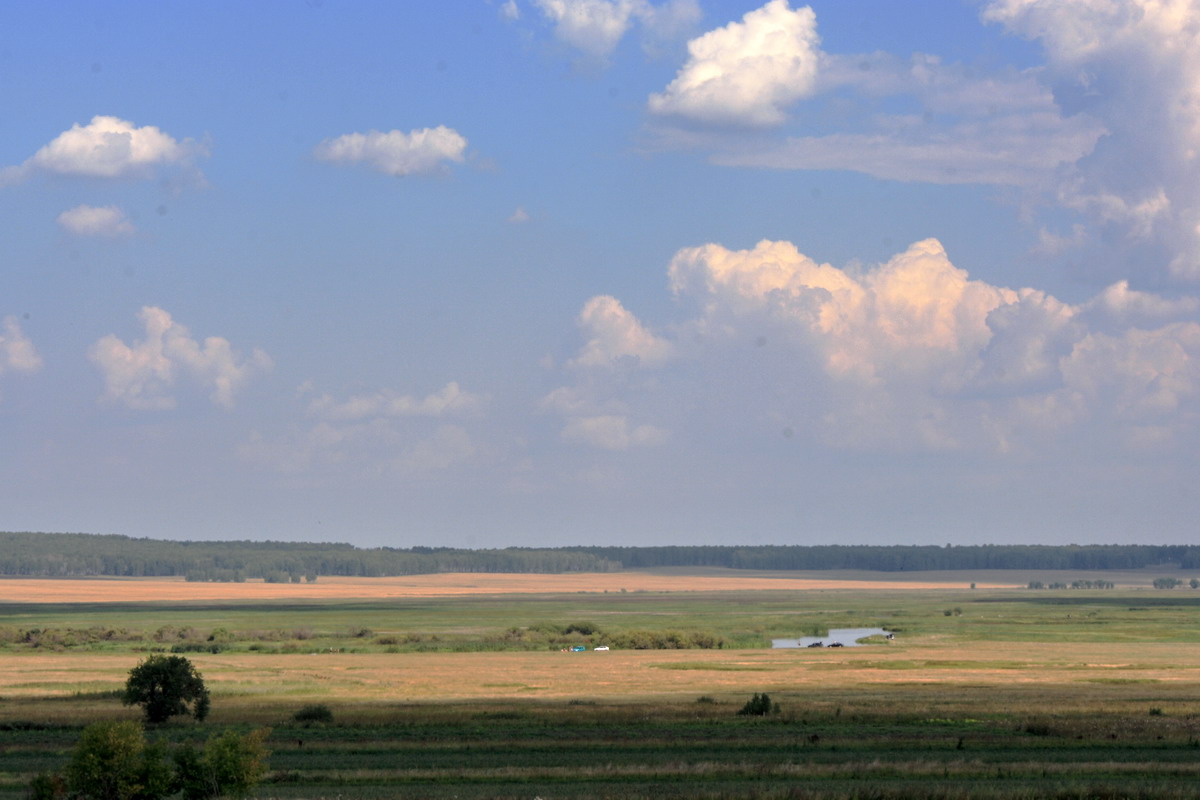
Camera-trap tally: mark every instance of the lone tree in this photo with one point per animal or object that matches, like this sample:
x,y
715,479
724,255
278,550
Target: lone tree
x,y
166,686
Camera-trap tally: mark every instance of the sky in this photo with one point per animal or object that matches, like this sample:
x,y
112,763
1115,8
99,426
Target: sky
x,y
489,273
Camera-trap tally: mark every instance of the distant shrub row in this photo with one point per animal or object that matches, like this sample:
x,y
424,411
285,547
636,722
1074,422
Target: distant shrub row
x,y
546,635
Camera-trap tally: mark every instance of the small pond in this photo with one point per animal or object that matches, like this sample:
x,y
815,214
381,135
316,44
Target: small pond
x,y
847,636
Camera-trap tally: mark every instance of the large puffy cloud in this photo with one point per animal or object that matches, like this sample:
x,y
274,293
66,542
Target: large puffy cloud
x,y
17,352
911,353
747,72
915,308
397,153
596,27
107,147
1135,67
144,375
88,220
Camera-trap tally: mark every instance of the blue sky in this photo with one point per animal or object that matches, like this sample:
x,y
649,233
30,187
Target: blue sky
x,y
550,272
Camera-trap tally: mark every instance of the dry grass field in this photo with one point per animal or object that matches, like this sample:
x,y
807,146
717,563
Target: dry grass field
x,y
272,685
177,590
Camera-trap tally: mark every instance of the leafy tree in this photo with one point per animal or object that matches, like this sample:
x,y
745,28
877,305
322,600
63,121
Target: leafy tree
x,y
231,765
166,686
112,761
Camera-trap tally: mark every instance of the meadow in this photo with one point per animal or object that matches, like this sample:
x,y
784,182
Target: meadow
x,y
457,686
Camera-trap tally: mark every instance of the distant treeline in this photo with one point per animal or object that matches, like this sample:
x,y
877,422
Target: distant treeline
x,y
904,558
81,554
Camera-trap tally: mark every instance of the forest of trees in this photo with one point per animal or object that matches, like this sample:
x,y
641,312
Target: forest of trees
x,y
905,558
82,554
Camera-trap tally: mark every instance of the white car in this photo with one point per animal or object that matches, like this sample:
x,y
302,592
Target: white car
x,y
602,647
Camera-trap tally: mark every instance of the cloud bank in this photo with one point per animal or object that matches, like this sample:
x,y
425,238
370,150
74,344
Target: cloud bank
x,y
911,355
1135,68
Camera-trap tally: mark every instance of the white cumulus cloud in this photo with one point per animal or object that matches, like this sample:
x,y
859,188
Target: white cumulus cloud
x,y
748,72
615,334
88,220
144,375
396,153
596,27
107,147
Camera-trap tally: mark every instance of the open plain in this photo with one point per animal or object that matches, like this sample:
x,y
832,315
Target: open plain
x,y
458,685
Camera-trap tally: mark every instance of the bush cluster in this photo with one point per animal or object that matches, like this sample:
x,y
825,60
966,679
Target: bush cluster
x,y
549,635
314,714
759,706
113,761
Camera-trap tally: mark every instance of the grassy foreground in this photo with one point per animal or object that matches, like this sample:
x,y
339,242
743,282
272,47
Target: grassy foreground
x,y
986,693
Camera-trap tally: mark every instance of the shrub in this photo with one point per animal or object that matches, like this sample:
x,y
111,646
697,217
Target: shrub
x,y
239,762
111,761
230,766
167,686
759,706
318,713
46,786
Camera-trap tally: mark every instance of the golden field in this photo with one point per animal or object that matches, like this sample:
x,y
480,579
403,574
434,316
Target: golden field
x,y
176,590
276,683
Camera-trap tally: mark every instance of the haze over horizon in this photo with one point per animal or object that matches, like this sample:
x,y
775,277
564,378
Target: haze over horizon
x,y
492,273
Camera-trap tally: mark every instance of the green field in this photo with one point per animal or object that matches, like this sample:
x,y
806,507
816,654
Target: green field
x,y
983,693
